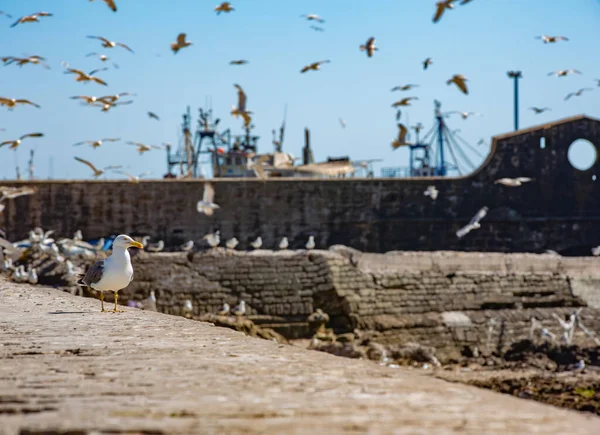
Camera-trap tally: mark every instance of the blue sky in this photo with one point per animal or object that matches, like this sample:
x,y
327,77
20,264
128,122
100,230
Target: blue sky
x,y
481,40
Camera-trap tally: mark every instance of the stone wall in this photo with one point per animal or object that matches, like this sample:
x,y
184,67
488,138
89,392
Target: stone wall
x,y
443,299
559,210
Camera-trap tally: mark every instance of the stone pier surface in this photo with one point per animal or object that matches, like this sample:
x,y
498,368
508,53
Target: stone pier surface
x,y
67,368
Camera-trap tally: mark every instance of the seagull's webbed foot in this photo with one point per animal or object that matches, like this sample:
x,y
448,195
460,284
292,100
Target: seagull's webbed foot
x,y
116,310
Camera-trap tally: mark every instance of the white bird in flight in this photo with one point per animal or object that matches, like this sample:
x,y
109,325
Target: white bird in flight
x,y
513,182
473,224
207,205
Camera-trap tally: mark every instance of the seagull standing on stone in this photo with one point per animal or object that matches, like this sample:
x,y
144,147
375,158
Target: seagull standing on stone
x,y
213,239
473,224
188,309
231,243
114,273
149,304
239,309
431,192
311,243
207,206
187,246
513,182
283,244
225,310
257,243
160,245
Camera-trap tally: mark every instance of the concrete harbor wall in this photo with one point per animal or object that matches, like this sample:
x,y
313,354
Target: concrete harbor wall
x,y
559,210
442,299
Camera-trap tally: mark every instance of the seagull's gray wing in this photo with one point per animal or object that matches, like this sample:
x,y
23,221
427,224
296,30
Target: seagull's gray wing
x,y
463,231
94,273
480,215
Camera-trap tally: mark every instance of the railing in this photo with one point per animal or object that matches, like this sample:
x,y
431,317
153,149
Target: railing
x,y
395,172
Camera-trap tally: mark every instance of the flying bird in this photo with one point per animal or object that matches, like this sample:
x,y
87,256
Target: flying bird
x,y
460,82
153,115
240,110
33,18
207,205
83,77
14,144
441,7
427,62
111,4
180,43
316,66
224,7
342,123
403,87
106,106
481,142
11,103
513,182
431,192
473,224
551,39
577,94
238,62
404,102
5,14
97,172
464,115
111,44
401,139
102,57
564,72
113,98
20,61
136,179
96,143
539,110
369,46
313,17
317,28
144,148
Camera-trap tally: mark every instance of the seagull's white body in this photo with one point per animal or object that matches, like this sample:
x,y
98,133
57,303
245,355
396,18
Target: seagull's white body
x,y
225,310
256,244
284,243
117,272
311,243
187,246
596,251
207,206
231,243
240,309
513,182
432,192
32,276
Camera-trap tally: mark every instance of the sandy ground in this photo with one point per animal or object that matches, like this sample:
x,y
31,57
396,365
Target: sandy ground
x,y
64,366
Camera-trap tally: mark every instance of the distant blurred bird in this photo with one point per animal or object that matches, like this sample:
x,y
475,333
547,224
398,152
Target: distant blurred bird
x,y
311,243
481,142
238,62
158,247
464,115
225,310
256,244
102,57
317,28
513,182
180,43
404,102
369,46
97,143
143,148
572,94
342,122
111,4
431,192
213,239
473,224
596,251
187,246
401,139
460,82
207,206
11,103
111,44
83,77
153,115
134,178
316,66
313,17
283,244
539,110
97,172
14,144
564,72
112,98
107,106
239,309
33,18
427,62
5,14
441,7
224,7
231,243
403,87
149,304
188,309
551,39
20,61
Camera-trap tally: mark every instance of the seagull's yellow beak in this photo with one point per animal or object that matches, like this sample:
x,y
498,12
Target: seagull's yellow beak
x,y
135,244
